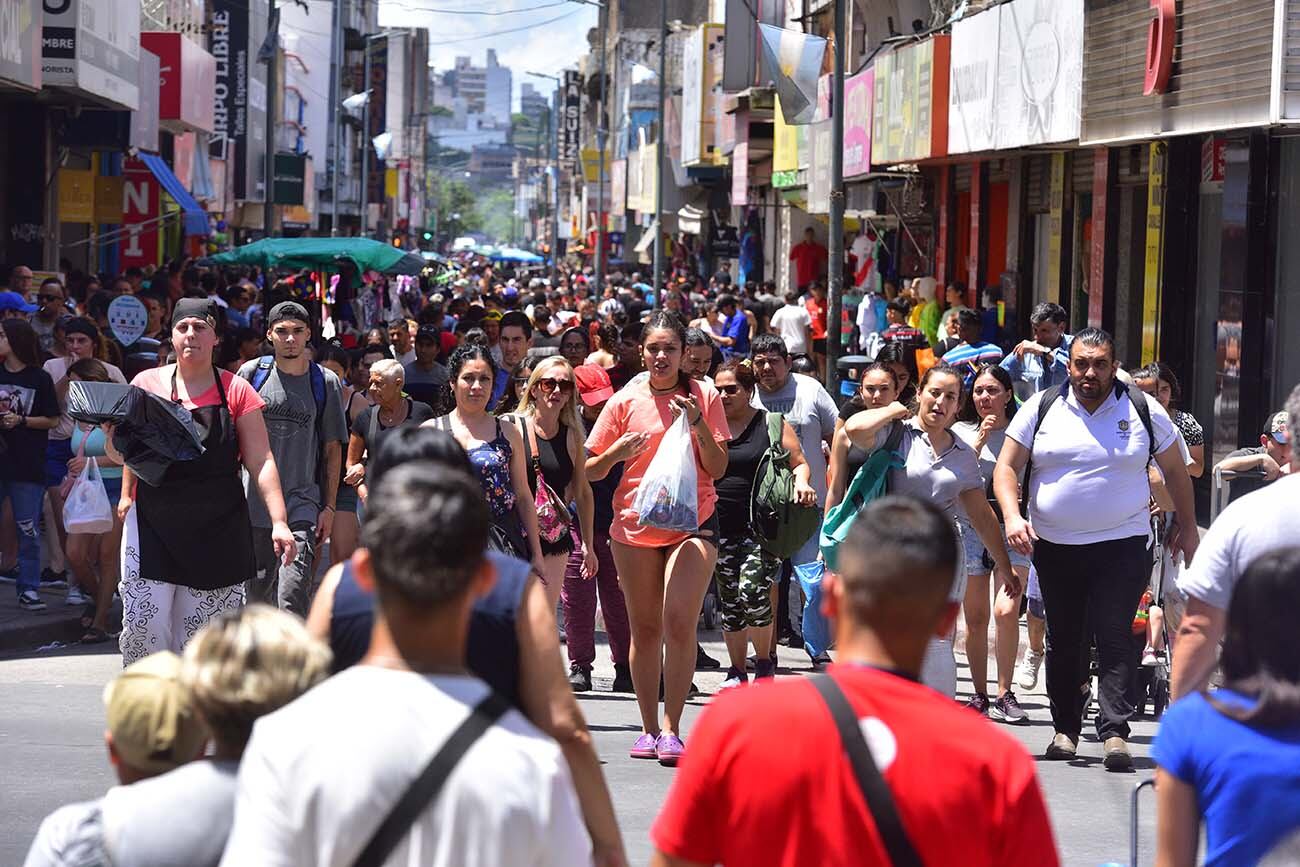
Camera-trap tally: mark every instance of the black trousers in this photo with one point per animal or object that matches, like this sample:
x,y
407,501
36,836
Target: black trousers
x,y
1091,592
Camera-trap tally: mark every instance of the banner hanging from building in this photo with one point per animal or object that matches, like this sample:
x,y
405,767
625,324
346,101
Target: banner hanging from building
x,y
569,131
795,59
858,93
378,118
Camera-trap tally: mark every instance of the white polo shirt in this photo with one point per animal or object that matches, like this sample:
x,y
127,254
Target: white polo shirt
x,y
1089,480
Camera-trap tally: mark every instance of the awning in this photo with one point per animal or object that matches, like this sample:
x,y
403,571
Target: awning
x,y
195,219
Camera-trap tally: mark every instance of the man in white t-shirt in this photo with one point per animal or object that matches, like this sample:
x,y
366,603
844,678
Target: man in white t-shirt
x,y
1089,528
320,776
794,324
1249,528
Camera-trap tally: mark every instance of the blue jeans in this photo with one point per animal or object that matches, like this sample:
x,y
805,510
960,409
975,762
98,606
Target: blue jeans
x,y
26,498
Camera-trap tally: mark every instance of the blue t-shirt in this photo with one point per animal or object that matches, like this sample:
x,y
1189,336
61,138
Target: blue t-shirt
x,y
1247,779
737,328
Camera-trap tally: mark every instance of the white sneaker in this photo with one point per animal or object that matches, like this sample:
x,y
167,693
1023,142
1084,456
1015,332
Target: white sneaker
x,y
1027,671
76,597
1149,658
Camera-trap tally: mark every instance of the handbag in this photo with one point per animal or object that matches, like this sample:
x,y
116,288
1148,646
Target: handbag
x,y
880,803
553,517
86,509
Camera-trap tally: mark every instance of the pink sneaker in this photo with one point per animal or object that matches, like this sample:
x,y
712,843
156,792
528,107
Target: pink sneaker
x,y
644,748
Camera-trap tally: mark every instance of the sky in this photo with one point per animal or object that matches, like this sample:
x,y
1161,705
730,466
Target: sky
x,y
553,34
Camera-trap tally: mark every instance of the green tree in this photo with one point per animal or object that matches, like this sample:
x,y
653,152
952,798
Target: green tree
x,y
497,211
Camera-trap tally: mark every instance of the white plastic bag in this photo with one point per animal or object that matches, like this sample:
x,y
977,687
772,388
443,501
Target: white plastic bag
x,y
87,510
667,498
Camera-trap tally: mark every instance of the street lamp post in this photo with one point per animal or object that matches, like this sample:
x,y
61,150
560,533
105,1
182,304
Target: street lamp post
x,y
554,137
655,225
835,245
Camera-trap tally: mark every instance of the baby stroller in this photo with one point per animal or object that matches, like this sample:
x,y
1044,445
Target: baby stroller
x,y
1152,681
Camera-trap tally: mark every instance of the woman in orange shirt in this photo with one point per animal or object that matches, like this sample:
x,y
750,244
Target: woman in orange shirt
x,y
664,573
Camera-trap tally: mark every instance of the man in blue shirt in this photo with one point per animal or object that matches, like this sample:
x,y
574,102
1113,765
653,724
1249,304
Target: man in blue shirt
x,y
735,328
972,353
1044,362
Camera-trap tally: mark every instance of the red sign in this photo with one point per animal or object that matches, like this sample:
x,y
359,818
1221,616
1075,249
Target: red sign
x,y
1212,162
1097,272
1160,47
187,80
139,245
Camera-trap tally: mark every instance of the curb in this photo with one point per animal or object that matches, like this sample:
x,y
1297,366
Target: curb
x,y
41,632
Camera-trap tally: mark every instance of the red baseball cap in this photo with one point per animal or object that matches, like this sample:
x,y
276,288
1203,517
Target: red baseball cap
x,y
594,386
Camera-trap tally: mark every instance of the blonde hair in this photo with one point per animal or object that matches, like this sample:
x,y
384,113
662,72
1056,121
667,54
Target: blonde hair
x,y
389,369
569,414
245,664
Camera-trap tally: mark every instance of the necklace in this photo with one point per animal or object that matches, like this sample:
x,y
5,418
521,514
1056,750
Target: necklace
x,y
668,390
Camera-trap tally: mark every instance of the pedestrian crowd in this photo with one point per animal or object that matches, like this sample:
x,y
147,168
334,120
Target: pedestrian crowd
x,y
401,504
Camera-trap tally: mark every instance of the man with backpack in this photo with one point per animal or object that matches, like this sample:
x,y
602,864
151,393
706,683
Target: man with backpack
x,y
1085,449
877,768
307,429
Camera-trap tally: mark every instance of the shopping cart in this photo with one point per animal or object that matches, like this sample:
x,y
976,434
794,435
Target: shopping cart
x,y
1133,820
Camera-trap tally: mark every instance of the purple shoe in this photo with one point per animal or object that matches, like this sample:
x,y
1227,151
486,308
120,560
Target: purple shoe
x,y
669,749
644,748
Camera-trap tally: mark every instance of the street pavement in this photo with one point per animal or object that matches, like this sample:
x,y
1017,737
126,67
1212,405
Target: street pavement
x,y
52,753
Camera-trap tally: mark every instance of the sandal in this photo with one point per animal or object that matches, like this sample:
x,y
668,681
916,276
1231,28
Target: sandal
x,y
95,635
88,615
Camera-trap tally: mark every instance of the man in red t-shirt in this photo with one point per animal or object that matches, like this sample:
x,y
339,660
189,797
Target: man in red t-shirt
x,y
767,781
815,304
809,259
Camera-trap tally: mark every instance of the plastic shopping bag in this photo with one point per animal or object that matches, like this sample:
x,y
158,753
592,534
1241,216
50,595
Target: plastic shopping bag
x,y
87,510
667,497
817,630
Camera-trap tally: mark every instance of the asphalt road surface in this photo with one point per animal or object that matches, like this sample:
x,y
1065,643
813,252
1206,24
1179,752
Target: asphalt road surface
x,y
51,753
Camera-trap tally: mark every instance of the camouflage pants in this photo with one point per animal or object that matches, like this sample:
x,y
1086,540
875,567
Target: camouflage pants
x,y
744,575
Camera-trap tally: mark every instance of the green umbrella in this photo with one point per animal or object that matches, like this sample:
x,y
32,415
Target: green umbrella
x,y
323,253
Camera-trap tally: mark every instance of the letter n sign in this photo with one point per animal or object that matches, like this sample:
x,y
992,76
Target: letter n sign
x,y
1160,46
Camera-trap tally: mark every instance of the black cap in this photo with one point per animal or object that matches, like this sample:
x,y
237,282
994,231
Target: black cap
x,y
428,332
288,310
189,308
81,325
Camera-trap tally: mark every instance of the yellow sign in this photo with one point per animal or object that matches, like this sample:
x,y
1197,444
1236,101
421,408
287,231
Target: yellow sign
x,y
390,183
785,142
108,200
591,165
1056,221
76,195
1154,250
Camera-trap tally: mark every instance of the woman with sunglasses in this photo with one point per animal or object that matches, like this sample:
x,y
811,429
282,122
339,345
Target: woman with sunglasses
x,y
745,573
496,450
552,434
664,573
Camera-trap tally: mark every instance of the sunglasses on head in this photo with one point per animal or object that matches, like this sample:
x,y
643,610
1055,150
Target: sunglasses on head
x,y
729,389
564,386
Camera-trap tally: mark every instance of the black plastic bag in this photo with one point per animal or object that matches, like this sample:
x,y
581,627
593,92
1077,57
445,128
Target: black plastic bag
x,y
152,433
97,402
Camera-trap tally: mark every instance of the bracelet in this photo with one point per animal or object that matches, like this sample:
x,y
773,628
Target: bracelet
x,y
331,508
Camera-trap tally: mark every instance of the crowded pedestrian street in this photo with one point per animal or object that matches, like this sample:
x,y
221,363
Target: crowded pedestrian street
x,y
501,433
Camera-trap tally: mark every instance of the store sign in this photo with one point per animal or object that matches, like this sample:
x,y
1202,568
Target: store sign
x,y
140,211
1016,76
108,199
1161,32
187,79
569,143
858,92
1154,250
693,97
377,113
724,241
618,186
76,195
21,22
144,120
92,47
740,175
910,115
819,170
1213,163
290,179
785,143
229,43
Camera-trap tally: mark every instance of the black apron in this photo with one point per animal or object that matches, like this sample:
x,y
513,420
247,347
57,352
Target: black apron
x,y
194,528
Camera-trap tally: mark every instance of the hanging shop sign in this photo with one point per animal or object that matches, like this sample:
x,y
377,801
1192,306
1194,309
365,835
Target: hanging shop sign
x,y
724,241
1154,250
76,195
785,143
140,209
858,92
1222,48
569,143
910,116
1016,76
618,186
820,140
377,114
740,175
92,47
144,120
228,41
108,199
290,179
21,22
187,79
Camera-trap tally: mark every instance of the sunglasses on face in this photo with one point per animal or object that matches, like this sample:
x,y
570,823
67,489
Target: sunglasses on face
x,y
729,389
563,386
45,298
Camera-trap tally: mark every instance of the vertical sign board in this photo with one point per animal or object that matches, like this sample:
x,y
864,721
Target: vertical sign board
x,y
20,43
1154,251
943,195
569,144
1097,269
1056,221
740,175
858,92
378,113
692,97
139,246
229,44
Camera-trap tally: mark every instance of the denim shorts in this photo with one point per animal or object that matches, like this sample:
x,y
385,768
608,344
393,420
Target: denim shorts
x,y
57,455
978,560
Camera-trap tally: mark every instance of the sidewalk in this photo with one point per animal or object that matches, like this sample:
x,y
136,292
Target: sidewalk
x,y
22,630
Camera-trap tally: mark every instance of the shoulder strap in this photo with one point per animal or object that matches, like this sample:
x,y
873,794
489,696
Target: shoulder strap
x,y
317,388
775,431
874,789
425,788
1045,403
1142,404
262,372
